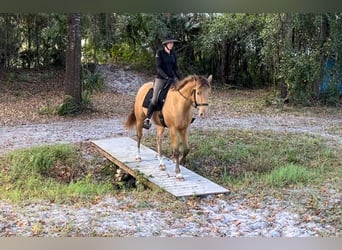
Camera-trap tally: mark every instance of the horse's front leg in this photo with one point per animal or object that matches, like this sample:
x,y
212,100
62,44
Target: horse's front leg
x,y
160,134
176,154
185,142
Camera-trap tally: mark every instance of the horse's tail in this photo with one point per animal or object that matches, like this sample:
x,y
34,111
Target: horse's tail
x,y
131,120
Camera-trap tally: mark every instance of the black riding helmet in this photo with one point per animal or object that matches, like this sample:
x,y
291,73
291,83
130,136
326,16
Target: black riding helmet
x,y
170,38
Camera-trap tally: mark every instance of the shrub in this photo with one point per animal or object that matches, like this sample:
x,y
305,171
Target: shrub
x,y
69,106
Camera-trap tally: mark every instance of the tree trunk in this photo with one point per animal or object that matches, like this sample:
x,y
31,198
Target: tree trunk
x,y
72,80
36,34
324,34
286,37
223,62
29,42
6,54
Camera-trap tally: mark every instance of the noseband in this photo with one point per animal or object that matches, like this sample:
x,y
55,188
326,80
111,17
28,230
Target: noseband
x,y
194,102
198,104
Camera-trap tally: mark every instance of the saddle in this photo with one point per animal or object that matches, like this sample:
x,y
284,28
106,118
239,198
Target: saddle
x,y
160,101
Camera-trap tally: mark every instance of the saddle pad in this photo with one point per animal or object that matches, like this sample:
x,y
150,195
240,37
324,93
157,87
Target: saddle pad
x,y
148,98
161,98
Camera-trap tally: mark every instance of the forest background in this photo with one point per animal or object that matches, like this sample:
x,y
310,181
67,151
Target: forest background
x,y
298,55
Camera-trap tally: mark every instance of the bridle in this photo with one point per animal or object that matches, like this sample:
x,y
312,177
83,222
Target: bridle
x,y
194,102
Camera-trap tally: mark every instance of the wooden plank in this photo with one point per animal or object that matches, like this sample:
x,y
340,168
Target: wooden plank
x,y
121,151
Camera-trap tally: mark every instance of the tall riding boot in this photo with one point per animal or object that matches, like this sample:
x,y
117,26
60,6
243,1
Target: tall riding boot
x,y
147,121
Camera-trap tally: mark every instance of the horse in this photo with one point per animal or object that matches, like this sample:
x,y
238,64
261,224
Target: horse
x,y
177,113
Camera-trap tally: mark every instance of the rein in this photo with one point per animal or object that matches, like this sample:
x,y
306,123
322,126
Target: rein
x,y
192,102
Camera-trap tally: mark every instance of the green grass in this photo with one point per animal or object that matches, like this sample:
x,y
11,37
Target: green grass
x,y
236,159
39,160
245,158
31,174
290,174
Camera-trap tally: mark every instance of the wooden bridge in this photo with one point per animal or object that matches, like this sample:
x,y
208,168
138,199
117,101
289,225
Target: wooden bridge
x,y
121,151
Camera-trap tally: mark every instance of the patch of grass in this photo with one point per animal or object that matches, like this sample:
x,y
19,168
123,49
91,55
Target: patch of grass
x,y
50,173
87,188
290,174
39,160
245,158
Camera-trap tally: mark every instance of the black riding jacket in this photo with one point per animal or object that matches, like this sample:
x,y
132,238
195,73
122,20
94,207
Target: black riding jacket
x,y
167,65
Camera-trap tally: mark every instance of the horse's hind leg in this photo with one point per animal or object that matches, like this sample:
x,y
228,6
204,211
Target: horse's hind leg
x,y
160,134
139,136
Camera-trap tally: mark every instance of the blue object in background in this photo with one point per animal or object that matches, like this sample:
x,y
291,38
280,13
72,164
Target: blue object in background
x,y
328,78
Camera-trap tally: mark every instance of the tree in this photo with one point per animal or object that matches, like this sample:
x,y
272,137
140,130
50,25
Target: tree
x,y
233,41
323,38
72,80
9,39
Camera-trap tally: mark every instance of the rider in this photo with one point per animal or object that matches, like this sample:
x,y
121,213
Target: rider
x,y
167,72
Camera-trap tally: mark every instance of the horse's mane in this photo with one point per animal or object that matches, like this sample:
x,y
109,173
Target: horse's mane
x,y
180,84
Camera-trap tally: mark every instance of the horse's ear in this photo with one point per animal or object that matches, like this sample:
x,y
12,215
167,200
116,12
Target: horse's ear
x,y
210,78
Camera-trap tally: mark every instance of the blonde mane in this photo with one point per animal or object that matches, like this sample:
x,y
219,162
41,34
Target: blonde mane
x,y
201,79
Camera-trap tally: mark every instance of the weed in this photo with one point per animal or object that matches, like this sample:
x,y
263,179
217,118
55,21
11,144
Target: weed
x,y
23,77
48,109
11,77
140,180
37,228
290,174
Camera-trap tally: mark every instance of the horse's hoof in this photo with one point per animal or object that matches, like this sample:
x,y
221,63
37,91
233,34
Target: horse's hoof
x,y
173,158
180,177
138,159
162,167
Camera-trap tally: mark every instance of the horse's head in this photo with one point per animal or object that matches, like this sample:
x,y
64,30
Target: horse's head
x,y
201,94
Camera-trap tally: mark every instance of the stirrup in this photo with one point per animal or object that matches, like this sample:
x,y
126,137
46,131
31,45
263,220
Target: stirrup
x,y
147,123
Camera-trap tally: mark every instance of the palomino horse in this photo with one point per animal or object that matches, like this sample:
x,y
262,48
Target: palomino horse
x,y
192,91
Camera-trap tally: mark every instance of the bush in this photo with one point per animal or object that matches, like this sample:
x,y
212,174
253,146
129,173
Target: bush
x,y
138,58
92,81
300,71
332,95
69,106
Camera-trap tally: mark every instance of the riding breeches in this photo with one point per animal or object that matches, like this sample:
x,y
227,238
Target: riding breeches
x,y
158,85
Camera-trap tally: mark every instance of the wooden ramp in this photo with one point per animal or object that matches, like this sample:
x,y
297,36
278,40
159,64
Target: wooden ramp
x,y
121,151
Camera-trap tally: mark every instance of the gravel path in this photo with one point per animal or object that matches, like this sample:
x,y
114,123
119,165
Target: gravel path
x,y
211,216
13,137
